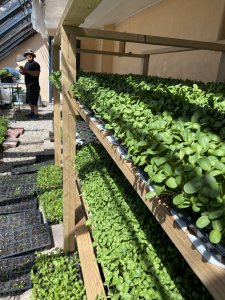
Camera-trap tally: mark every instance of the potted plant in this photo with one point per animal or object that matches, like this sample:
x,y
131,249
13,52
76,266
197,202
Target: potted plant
x,y
6,76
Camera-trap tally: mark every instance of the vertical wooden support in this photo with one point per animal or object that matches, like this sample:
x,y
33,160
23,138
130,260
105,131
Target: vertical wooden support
x,y
145,64
57,115
122,46
68,48
221,69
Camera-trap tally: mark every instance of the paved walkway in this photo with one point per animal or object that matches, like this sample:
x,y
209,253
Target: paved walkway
x,y
31,143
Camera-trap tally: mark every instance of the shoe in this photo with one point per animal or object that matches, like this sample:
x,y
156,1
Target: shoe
x,y
35,117
30,115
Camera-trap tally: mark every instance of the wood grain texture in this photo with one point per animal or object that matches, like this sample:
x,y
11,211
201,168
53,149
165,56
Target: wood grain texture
x,y
90,271
57,114
76,11
144,39
69,133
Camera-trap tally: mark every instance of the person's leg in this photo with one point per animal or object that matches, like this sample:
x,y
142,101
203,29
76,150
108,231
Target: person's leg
x,y
28,101
34,109
34,102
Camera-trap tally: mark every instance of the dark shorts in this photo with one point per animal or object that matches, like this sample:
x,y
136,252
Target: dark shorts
x,y
32,95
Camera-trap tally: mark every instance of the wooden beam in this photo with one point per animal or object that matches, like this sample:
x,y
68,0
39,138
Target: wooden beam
x,y
69,133
90,271
212,277
110,53
144,39
167,50
75,12
57,113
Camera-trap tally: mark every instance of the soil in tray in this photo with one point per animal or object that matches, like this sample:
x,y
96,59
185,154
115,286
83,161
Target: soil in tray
x,y
17,205
8,180
15,274
15,264
42,157
23,240
15,284
19,220
30,168
17,191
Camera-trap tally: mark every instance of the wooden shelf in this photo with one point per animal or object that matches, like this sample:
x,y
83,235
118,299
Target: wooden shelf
x,y
212,277
90,271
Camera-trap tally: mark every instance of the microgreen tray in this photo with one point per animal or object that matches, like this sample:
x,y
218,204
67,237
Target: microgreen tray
x,y
15,283
43,157
8,180
30,168
15,274
19,241
17,192
17,205
19,220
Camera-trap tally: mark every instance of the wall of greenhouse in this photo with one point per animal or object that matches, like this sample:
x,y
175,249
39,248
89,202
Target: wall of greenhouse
x,y
195,20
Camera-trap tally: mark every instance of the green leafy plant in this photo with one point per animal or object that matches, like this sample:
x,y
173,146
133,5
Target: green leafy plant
x,y
173,129
57,275
55,78
138,259
49,177
7,76
3,130
52,204
3,72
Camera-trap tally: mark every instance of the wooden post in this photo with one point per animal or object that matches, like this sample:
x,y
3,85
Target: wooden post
x,y
221,69
57,116
68,48
122,46
145,64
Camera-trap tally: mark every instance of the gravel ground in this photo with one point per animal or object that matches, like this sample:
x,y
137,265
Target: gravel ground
x,y
31,142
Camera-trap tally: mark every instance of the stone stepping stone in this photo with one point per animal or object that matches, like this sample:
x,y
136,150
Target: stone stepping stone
x,y
15,132
11,142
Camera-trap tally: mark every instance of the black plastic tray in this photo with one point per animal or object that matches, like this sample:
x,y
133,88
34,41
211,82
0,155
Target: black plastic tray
x,y
19,241
8,180
44,157
17,205
18,186
18,192
16,264
19,220
15,274
15,283
30,168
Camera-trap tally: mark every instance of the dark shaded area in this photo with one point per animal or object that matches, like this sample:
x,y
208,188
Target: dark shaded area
x,y
165,250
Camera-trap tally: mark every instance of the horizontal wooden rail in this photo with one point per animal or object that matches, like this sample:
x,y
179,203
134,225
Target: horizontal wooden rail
x,y
144,39
167,50
212,277
113,53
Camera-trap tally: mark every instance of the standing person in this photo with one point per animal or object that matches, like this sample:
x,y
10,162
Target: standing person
x,y
31,71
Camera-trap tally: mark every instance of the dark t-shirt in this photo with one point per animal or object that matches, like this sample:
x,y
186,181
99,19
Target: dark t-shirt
x,y
32,81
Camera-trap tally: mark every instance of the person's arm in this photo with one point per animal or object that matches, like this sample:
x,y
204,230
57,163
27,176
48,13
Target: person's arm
x,y
32,73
